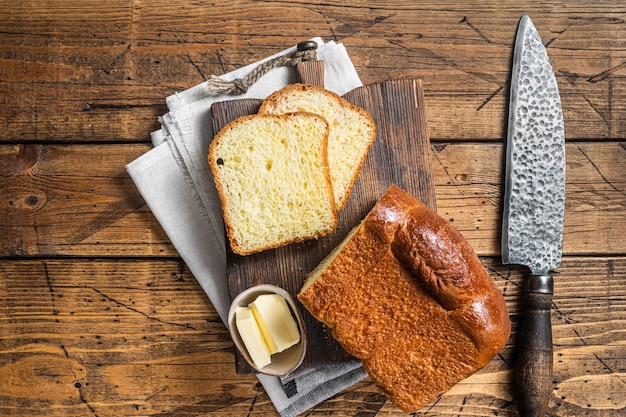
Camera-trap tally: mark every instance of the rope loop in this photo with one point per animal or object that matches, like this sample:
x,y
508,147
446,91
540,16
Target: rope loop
x,y
306,51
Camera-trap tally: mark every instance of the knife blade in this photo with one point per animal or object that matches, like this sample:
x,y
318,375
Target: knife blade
x,y
534,207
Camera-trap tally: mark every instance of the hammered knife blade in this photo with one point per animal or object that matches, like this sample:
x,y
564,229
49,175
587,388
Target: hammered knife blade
x,y
534,206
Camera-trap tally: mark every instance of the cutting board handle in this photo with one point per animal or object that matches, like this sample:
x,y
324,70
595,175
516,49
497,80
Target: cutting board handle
x,y
311,72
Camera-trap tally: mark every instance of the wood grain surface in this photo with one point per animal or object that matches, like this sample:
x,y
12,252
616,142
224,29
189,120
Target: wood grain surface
x,y
98,314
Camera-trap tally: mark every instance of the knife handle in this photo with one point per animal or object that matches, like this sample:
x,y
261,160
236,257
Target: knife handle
x,y
534,362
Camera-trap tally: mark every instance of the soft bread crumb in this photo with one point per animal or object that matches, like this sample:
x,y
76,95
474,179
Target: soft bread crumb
x,y
352,130
272,176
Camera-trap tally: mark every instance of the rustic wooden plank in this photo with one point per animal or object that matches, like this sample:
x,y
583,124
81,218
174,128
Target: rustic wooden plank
x,y
139,337
466,54
111,337
74,200
78,200
98,72
102,72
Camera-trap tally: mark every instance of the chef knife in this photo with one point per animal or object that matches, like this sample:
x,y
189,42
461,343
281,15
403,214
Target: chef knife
x,y
534,205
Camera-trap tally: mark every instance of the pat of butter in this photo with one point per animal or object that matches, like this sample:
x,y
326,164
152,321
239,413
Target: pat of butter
x,y
252,337
278,327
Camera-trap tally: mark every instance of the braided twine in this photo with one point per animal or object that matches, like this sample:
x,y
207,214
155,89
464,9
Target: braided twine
x,y
241,85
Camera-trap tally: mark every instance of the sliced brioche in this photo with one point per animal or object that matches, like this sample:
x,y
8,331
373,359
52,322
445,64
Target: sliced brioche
x,y
272,176
352,130
407,295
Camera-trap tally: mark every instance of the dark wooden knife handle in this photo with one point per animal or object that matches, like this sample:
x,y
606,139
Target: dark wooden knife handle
x,y
533,382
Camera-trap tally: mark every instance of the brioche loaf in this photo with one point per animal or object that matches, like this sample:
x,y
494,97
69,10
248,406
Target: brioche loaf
x,y
352,130
406,294
271,173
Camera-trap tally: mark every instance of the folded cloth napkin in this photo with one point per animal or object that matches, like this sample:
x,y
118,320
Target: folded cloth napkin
x,y
176,183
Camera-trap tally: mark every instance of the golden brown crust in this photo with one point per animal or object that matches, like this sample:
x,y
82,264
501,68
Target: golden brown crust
x,y
409,297
272,99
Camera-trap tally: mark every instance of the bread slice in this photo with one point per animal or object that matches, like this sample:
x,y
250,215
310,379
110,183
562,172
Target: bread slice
x,y
407,295
272,176
352,130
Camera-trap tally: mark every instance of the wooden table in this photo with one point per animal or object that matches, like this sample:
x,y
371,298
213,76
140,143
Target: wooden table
x,y
98,314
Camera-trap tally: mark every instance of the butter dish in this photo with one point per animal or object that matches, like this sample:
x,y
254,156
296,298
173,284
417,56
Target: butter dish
x,y
282,363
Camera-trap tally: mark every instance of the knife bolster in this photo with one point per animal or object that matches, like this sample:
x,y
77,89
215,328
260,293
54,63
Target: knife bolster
x,y
540,283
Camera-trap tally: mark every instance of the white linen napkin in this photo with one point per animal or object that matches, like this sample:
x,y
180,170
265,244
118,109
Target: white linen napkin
x,y
176,183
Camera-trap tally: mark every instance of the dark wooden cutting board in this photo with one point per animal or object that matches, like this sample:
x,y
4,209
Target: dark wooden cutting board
x,y
400,155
